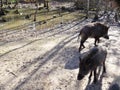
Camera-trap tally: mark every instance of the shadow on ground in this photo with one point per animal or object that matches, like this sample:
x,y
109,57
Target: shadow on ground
x,y
41,60
115,85
73,61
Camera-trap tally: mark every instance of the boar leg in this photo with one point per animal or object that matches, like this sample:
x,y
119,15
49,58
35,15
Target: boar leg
x,y
104,68
90,75
95,76
96,40
82,43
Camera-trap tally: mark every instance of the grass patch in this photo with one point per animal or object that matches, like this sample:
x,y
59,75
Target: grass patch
x,y
13,24
65,18
42,15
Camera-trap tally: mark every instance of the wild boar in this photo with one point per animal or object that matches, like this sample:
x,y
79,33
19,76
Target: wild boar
x,y
93,30
90,61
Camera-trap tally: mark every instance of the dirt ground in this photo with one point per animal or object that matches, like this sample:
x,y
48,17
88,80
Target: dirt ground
x,y
48,59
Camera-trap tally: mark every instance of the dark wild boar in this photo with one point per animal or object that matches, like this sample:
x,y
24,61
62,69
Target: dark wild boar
x,y
90,61
93,30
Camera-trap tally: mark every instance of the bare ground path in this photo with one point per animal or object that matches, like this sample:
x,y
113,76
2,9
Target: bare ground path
x,y
48,59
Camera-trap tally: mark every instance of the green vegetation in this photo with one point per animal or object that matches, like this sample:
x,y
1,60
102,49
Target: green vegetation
x,y
65,18
24,12
15,20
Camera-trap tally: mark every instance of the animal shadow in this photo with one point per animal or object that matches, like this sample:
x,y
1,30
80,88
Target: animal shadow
x,y
95,86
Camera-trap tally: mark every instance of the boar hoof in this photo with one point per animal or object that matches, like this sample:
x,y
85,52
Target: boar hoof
x,y
80,49
95,45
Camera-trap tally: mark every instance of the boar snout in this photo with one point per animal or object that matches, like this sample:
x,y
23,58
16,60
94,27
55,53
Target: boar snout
x,y
106,37
80,77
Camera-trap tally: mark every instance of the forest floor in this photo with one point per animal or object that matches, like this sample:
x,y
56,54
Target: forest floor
x,y
47,59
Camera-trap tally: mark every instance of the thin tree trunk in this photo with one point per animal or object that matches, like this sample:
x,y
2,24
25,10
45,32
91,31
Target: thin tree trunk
x,y
97,7
16,3
116,15
35,15
1,5
6,2
87,10
88,4
45,3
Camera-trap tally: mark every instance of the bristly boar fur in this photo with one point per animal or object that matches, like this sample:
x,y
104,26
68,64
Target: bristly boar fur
x,y
93,30
90,61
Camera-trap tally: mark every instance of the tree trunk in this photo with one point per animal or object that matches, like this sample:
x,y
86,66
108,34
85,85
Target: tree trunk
x,y
117,15
16,3
88,4
96,18
1,8
6,2
87,10
45,3
98,6
35,15
1,5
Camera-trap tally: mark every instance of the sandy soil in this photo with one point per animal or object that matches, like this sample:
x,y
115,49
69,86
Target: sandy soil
x,y
48,59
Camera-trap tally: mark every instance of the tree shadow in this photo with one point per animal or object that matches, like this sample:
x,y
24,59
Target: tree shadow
x,y
41,32
20,47
40,39
41,60
49,55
